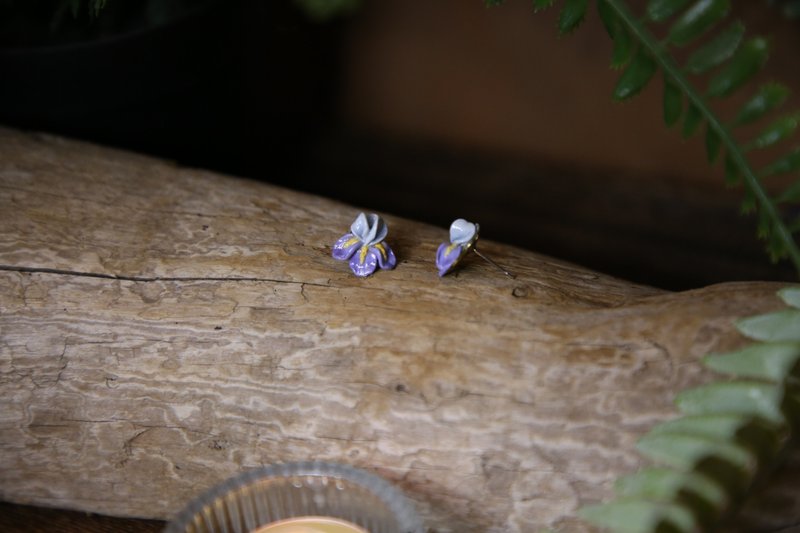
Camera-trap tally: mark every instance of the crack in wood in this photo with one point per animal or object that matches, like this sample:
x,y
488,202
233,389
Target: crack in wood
x,y
150,279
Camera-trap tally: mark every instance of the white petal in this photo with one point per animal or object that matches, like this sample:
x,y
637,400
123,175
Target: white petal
x,y
360,227
462,232
369,238
381,230
370,229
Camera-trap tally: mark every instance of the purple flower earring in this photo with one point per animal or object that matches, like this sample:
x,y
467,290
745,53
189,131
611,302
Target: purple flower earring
x,y
463,238
366,235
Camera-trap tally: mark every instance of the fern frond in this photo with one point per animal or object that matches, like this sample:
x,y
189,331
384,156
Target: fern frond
x,y
697,20
768,97
94,7
539,5
783,165
572,15
731,61
779,130
637,516
636,77
717,51
749,59
322,10
660,10
730,433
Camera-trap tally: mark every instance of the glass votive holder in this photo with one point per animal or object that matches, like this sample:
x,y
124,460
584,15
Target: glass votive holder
x,y
306,497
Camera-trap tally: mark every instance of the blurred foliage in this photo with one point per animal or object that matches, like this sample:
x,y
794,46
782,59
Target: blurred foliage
x,y
52,22
322,10
722,60
731,434
789,8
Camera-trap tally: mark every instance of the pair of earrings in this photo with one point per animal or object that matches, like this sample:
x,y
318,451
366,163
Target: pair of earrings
x,y
364,246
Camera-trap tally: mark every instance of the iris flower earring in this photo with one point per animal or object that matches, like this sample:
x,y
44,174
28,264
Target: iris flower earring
x,y
463,238
364,246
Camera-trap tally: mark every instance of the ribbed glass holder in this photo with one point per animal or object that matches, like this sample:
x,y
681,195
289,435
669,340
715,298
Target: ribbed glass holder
x,y
258,498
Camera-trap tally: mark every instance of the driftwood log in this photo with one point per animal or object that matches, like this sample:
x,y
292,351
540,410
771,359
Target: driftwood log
x,y
164,328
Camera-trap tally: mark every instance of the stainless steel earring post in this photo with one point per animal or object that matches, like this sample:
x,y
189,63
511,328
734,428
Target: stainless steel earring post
x,y
463,239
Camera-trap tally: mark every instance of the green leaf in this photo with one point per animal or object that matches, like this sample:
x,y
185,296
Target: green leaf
x,y
776,247
768,97
660,10
572,15
790,295
748,202
712,144
685,451
770,361
673,102
540,5
609,18
745,63
636,76
791,194
762,438
697,20
783,165
621,53
772,327
636,516
717,50
716,427
779,130
746,398
620,36
319,10
663,484
691,121
98,6
732,174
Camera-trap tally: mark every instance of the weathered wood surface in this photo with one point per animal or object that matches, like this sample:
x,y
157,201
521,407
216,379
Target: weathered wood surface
x,y
164,328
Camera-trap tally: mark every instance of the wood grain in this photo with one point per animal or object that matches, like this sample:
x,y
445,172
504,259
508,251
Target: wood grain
x,y
164,328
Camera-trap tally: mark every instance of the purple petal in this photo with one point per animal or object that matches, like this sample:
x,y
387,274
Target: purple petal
x,y
364,262
345,247
447,256
386,258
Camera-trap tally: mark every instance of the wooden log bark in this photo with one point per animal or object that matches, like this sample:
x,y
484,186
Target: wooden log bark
x,y
164,328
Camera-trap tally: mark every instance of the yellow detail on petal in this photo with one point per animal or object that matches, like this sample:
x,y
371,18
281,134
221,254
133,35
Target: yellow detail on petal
x,y
362,254
450,249
350,242
382,250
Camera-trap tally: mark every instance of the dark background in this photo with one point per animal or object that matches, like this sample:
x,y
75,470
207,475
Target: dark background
x,y
427,110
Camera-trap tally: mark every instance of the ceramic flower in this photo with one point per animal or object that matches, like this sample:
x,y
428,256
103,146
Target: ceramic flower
x,y
364,246
463,235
